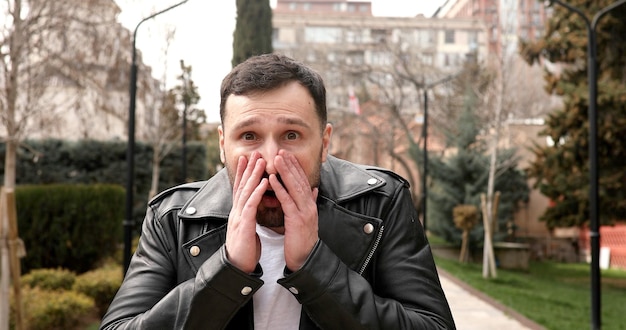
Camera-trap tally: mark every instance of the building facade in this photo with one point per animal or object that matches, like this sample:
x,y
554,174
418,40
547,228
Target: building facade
x,y
74,77
346,43
506,21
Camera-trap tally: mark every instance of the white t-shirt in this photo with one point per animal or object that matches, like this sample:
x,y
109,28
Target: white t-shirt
x,y
275,308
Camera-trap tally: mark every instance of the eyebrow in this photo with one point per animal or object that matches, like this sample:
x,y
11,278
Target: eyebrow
x,y
282,120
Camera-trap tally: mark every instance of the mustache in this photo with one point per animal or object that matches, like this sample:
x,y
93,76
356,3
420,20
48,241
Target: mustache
x,y
267,176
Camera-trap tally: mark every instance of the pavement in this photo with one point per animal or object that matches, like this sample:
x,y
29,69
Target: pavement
x,y
473,310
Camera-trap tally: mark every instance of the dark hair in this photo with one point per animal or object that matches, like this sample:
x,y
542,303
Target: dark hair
x,y
269,71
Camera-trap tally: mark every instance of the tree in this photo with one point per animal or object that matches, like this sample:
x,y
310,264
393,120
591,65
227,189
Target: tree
x,y
187,95
461,178
47,47
561,169
253,30
166,122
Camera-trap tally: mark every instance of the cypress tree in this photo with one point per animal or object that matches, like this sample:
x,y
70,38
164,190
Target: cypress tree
x,y
253,30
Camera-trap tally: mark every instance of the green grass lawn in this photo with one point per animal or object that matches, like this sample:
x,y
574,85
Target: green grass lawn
x,y
554,295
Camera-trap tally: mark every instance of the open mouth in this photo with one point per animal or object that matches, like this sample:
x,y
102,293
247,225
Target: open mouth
x,y
280,180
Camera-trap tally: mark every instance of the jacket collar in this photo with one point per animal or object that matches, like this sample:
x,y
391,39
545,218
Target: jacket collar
x,y
340,181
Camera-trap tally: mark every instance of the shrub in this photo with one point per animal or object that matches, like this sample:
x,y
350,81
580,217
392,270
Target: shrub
x,y
49,279
101,285
52,310
73,226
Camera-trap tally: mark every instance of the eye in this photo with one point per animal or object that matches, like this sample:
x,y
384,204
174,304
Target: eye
x,y
292,135
248,136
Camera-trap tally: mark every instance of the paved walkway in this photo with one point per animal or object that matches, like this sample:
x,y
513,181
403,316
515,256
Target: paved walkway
x,y
472,310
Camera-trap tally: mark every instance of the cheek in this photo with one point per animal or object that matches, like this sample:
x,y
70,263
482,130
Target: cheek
x,y
310,162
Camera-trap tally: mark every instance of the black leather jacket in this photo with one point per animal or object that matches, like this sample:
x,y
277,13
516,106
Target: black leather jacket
x,y
371,269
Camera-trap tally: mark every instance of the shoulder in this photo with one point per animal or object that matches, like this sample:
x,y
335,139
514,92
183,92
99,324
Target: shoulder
x,y
339,168
177,196
389,175
343,180
177,191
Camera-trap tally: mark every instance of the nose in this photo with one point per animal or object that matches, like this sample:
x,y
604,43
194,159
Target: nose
x,y
269,151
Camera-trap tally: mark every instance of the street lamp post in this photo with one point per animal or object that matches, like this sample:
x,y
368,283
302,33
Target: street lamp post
x,y
130,151
186,102
184,147
425,89
594,233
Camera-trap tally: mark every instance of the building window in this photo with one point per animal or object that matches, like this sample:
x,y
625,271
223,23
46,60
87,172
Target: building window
x,y
449,36
284,36
339,7
354,36
472,40
425,38
381,58
320,34
427,59
293,6
379,35
355,58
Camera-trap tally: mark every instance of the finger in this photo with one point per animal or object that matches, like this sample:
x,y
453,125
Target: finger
x,y
283,196
245,171
252,203
296,181
251,179
241,166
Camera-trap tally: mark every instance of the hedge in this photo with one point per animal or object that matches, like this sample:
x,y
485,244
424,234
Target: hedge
x,y
72,226
54,161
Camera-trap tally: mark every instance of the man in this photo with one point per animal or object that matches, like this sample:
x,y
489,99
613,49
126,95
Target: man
x,y
287,236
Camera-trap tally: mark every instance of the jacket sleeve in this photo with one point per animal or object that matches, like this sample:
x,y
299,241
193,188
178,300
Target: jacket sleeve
x,y
150,298
405,292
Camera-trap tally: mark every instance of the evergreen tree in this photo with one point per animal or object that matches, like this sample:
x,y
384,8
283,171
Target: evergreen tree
x,y
462,177
187,95
561,170
253,30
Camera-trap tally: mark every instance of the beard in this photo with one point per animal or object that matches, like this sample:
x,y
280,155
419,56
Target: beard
x,y
273,217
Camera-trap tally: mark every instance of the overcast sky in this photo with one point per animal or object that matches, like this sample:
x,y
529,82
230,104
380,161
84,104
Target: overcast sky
x,y
203,38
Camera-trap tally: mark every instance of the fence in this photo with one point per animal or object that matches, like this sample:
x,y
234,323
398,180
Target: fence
x,y
612,240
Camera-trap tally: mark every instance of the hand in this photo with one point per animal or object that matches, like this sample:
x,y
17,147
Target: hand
x,y
243,246
298,202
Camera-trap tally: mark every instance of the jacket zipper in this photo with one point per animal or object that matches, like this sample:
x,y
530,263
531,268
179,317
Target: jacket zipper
x,y
372,251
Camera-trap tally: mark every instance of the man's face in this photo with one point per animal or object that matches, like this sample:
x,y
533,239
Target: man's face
x,y
281,119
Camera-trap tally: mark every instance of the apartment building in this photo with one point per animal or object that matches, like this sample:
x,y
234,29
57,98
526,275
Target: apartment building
x,y
359,56
345,42
507,21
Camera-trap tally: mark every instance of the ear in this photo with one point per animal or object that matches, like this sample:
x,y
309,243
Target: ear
x,y
220,132
326,136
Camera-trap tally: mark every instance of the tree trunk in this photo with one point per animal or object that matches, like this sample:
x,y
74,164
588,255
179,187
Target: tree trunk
x,y
9,159
488,207
156,170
